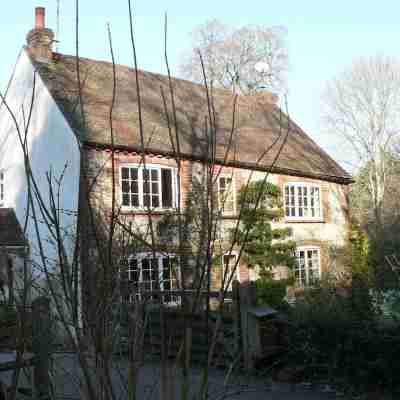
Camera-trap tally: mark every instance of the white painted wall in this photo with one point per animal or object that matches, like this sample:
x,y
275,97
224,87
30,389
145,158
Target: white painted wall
x,y
52,149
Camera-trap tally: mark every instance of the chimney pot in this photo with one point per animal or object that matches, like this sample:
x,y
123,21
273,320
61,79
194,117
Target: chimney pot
x,y
40,39
40,13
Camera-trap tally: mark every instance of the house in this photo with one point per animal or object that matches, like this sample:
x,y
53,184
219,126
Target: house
x,y
85,139
14,254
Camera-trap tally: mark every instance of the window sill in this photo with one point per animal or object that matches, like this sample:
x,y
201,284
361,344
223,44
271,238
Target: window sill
x,y
144,211
229,216
304,221
301,289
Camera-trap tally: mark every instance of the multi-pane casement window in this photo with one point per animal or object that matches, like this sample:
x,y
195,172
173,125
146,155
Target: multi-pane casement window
x,y
1,188
152,187
148,272
303,201
226,194
308,266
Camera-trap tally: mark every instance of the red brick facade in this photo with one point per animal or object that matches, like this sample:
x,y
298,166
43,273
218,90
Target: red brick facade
x,y
99,168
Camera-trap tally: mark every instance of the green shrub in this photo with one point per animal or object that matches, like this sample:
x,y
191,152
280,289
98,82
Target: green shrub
x,y
271,292
333,342
8,315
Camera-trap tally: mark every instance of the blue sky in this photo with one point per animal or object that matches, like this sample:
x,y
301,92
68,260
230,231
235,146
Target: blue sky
x,y
324,37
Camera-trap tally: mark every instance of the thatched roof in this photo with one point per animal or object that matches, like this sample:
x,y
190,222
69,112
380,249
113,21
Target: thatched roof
x,y
259,125
10,230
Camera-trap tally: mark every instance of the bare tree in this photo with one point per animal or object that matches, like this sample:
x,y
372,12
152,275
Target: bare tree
x,y
113,239
244,60
362,105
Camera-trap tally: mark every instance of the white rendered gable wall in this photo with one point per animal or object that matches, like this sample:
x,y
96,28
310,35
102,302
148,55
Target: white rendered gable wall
x,y
52,147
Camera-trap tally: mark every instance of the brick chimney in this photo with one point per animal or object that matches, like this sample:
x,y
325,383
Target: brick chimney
x,y
40,39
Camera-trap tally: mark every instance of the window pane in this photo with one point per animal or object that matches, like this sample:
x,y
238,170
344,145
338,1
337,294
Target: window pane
x,y
146,187
154,175
155,201
154,274
125,187
134,174
125,173
145,274
226,195
166,187
134,187
132,270
166,269
134,200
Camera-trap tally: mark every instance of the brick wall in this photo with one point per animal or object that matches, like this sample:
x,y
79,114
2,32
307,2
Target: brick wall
x,y
332,228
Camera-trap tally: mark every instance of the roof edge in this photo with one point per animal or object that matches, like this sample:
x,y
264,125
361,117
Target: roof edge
x,y
344,180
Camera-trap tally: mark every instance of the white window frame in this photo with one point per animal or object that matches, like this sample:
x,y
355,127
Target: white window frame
x,y
297,206
237,272
150,167
2,188
232,187
175,300
298,281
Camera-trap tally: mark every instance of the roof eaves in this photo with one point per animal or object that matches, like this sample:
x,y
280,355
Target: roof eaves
x,y
344,180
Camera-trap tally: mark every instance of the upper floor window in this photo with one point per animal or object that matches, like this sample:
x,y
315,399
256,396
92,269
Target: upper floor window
x,y
303,201
150,187
1,188
308,266
226,194
149,272
229,270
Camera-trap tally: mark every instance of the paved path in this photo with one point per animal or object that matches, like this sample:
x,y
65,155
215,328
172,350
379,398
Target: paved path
x,y
240,387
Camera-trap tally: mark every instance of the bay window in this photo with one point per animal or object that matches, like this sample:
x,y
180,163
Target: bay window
x,y
152,187
302,201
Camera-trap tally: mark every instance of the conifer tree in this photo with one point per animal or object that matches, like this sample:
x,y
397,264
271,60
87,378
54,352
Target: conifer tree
x,y
264,246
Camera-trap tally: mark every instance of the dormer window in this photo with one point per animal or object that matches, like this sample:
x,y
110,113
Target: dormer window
x,y
303,201
151,187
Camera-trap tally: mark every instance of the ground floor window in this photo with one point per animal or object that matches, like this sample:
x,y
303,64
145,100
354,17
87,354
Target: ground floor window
x,y
149,272
308,266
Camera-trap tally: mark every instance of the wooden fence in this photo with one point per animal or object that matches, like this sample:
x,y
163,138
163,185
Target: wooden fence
x,y
240,325
38,319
